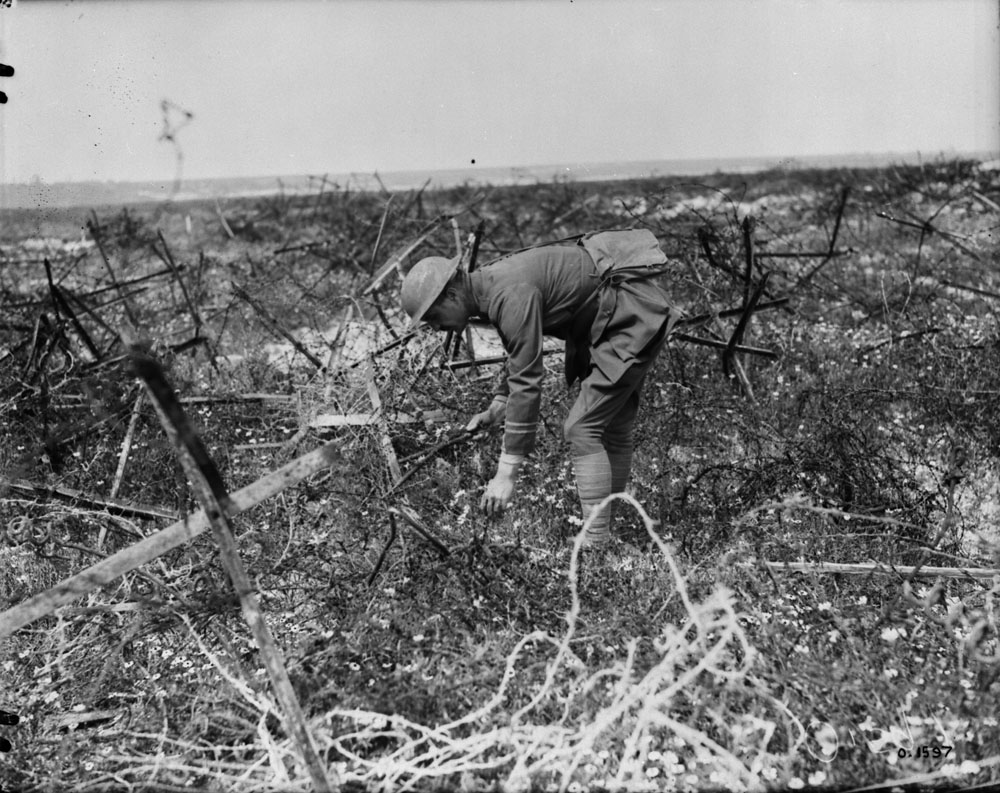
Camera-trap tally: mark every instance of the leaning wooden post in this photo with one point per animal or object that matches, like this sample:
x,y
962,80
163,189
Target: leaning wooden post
x,y
729,357
214,499
747,228
474,239
275,326
383,427
392,461
145,550
870,568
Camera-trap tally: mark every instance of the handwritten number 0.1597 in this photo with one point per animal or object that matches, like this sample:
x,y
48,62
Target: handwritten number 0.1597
x,y
926,751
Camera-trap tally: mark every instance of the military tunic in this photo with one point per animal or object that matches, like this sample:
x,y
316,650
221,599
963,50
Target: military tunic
x,y
596,294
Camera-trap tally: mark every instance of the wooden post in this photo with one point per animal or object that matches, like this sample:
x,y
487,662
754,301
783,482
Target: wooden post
x,y
383,426
276,327
870,568
408,515
107,570
214,499
378,239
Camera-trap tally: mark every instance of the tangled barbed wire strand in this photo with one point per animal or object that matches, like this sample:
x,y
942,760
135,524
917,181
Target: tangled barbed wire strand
x,y
617,707
710,642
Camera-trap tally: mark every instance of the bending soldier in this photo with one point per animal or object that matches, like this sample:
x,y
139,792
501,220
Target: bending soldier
x,y
597,293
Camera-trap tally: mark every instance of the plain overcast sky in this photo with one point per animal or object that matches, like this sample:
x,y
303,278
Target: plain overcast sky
x,y
305,86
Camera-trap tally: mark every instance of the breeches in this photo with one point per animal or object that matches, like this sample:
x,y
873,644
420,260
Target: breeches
x,y
603,415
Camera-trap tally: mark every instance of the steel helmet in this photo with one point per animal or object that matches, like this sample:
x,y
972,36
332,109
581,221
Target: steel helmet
x,y
425,283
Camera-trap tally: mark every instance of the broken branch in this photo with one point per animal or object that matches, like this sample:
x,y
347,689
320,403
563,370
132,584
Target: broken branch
x,y
878,567
275,326
81,499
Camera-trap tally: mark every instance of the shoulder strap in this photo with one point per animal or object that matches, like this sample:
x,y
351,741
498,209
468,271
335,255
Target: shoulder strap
x,y
577,238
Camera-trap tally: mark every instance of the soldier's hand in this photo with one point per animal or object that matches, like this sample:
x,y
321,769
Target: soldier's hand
x,y
499,492
500,489
493,415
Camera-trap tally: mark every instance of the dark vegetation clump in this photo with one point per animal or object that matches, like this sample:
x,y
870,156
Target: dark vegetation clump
x,y
796,599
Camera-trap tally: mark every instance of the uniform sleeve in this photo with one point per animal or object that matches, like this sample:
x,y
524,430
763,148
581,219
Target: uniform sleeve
x,y
502,388
517,314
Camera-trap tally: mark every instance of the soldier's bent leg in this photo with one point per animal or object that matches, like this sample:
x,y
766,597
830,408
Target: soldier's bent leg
x,y
599,402
618,442
593,484
599,427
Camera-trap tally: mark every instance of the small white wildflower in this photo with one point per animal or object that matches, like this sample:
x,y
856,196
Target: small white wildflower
x,y
826,605
816,779
795,783
863,600
770,774
890,674
968,767
890,635
654,756
652,771
826,737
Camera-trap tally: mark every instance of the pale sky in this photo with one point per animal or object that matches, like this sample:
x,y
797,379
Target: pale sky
x,y
311,87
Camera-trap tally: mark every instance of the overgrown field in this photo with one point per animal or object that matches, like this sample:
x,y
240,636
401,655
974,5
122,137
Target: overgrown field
x,y
684,658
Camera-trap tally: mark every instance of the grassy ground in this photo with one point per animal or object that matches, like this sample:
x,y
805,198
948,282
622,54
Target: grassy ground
x,y
678,660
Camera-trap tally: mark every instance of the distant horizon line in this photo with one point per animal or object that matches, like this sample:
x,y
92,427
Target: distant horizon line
x,y
41,194
776,161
